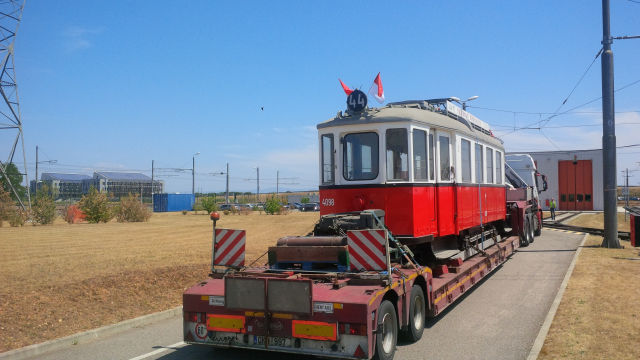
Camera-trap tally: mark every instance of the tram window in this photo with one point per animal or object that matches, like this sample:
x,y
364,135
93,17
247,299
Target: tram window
x,y
432,157
445,160
499,167
327,159
397,154
479,164
465,156
420,154
360,152
489,166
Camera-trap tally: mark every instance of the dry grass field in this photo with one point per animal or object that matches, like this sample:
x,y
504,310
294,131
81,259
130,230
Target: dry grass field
x,y
596,221
61,279
598,317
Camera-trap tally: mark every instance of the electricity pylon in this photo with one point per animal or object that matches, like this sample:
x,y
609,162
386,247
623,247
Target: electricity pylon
x,y
10,121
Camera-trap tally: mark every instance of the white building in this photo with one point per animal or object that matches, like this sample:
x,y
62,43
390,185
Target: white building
x,y
574,178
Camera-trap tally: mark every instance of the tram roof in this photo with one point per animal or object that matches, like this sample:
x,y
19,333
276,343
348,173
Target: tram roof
x,y
417,112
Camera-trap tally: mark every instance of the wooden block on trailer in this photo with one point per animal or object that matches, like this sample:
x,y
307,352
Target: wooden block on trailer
x,y
440,270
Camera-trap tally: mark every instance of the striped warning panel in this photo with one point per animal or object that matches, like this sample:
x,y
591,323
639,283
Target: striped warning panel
x,y
367,250
229,248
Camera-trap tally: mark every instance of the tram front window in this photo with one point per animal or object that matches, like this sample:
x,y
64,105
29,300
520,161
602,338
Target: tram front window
x,y
397,154
360,152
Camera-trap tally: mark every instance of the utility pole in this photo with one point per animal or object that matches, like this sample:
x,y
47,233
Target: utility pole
x,y
258,183
226,195
193,174
277,182
36,189
152,182
626,203
608,136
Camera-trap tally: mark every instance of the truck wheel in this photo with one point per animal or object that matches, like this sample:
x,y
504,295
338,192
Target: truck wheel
x,y
387,334
532,226
416,315
524,234
538,231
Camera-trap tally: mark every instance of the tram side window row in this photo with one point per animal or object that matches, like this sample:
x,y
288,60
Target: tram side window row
x,y
431,151
479,163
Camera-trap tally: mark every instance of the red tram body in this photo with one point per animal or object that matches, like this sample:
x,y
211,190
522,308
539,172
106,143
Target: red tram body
x,y
443,179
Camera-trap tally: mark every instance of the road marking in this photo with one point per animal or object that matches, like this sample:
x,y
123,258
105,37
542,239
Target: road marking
x,y
155,352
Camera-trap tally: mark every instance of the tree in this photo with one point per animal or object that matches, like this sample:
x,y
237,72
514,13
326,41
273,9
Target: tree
x,y
44,209
304,200
16,180
209,204
95,206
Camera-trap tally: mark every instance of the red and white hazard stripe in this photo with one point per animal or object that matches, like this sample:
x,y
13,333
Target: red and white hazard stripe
x,y
367,250
229,248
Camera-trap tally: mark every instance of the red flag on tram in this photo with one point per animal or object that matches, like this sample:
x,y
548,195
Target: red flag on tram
x,y
345,88
376,89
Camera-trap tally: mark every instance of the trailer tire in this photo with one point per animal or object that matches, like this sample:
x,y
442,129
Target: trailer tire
x,y
417,315
387,334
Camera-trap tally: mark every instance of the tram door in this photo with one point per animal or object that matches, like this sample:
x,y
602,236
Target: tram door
x,y
575,182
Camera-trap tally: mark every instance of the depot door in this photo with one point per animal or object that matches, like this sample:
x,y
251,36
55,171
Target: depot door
x,y
575,181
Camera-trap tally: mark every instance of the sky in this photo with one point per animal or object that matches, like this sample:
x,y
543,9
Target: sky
x,y
113,85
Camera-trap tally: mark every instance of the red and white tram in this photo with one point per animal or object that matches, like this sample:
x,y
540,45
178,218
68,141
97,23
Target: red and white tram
x,y
435,169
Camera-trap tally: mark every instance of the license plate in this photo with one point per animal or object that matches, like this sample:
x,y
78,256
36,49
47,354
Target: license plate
x,y
273,341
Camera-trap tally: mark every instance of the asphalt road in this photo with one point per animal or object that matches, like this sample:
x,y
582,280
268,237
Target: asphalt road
x,y
499,319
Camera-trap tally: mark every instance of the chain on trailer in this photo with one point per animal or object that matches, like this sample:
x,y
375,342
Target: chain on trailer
x,y
403,249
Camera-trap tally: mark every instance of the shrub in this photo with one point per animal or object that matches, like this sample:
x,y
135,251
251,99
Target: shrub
x,y
43,208
184,212
272,206
304,200
72,214
226,212
17,217
131,209
209,204
96,207
7,206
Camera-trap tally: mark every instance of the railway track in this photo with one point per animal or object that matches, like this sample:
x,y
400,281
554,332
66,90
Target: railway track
x,y
624,235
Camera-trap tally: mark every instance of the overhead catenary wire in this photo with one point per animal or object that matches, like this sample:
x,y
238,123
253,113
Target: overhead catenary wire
x,y
554,115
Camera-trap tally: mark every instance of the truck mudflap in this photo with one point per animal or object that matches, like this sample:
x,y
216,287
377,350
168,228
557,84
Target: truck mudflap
x,y
343,346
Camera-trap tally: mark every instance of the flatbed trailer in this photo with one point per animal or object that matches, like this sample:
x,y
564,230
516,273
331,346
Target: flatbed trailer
x,y
331,314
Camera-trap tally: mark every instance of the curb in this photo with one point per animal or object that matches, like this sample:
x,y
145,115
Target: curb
x,y
544,330
86,336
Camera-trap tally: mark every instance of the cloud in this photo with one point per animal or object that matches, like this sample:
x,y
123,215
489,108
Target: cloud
x,y
78,38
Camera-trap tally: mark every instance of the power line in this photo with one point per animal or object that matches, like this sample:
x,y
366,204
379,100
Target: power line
x,y
546,120
565,126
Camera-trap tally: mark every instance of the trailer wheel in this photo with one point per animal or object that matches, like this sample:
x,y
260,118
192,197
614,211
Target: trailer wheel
x,y
416,315
387,334
524,234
